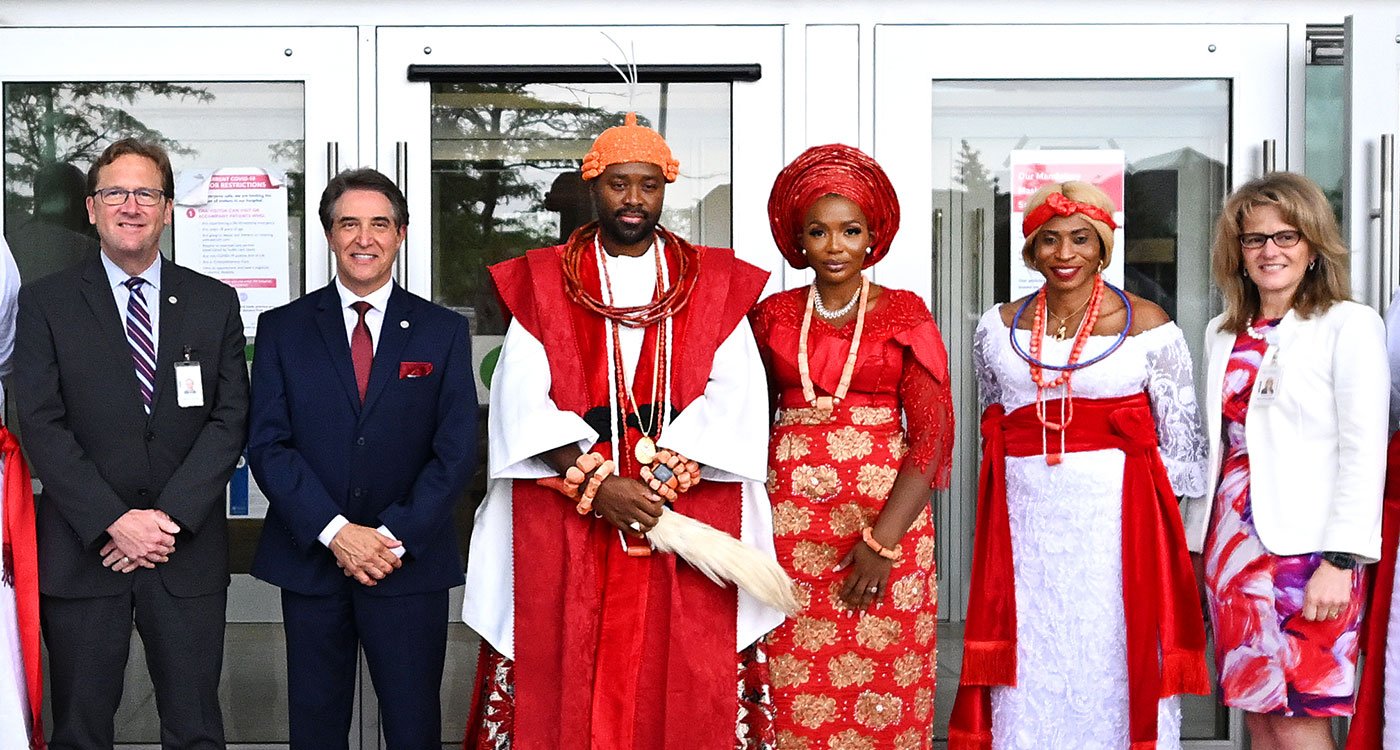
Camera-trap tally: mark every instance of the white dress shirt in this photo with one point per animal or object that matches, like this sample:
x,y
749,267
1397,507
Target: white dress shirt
x,y
374,321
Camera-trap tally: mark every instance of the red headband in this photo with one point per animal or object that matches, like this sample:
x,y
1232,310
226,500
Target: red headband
x,y
1057,204
825,170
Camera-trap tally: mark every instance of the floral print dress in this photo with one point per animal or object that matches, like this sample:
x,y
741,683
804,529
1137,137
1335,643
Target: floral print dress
x,y
1270,660
842,679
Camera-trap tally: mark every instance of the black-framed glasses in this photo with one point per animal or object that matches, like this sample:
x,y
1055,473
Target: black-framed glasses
x,y
115,196
1285,238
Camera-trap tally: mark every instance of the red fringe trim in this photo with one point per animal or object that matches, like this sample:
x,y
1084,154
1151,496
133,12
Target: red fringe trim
x,y
958,740
989,663
1184,672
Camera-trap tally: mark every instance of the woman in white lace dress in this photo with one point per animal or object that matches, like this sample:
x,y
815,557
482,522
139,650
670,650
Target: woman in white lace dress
x,y
1083,611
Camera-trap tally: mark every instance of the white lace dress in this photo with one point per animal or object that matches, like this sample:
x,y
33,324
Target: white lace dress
x,y
1066,539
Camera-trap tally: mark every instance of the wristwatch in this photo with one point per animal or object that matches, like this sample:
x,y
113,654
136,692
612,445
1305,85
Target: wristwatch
x,y
1340,560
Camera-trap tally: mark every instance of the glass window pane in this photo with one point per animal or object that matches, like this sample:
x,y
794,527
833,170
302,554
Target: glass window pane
x,y
1324,148
54,131
505,172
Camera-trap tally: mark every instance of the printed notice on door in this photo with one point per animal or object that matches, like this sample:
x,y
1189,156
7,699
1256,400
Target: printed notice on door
x,y
231,224
1032,169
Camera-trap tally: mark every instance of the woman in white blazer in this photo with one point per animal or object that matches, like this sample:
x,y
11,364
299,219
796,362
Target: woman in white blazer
x,y
1297,404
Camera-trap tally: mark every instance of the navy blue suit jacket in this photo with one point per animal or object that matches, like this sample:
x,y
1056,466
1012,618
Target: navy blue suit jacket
x,y
401,460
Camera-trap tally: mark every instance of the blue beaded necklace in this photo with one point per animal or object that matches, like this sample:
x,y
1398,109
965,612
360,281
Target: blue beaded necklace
x,y
1070,366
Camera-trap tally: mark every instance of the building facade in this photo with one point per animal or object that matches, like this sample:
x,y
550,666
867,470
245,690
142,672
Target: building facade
x,y
482,112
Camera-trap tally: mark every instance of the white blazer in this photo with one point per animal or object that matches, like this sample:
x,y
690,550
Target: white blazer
x,y
1317,453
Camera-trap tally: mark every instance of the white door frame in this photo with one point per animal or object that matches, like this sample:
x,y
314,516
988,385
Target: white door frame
x,y
908,58
757,107
1372,108
325,59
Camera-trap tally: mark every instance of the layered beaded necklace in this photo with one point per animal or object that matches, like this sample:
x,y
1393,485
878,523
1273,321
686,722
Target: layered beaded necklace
x,y
1065,371
625,401
825,405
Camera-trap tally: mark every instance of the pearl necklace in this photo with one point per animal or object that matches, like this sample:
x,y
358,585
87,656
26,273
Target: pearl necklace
x,y
820,306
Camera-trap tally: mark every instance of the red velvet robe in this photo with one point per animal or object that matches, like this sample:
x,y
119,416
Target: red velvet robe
x,y
614,651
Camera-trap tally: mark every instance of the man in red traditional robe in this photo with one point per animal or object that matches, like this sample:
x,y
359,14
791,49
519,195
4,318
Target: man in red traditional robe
x,y
624,341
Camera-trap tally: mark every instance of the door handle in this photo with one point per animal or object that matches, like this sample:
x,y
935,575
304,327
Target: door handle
x,y
401,179
937,250
1270,155
979,245
1386,215
332,169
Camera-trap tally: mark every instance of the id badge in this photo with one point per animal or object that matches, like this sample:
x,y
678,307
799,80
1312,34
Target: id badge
x,y
1267,382
189,384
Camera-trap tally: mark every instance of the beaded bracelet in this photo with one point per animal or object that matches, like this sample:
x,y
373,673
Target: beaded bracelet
x,y
672,474
576,475
595,481
889,553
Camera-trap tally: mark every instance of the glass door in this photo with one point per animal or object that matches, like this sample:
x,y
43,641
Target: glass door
x,y
277,104
1186,112
486,128
1371,71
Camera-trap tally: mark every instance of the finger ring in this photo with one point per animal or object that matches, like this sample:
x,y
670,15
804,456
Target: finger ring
x,y
635,526
874,589
126,559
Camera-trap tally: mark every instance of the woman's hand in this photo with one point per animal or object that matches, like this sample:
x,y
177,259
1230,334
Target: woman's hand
x,y
1328,593
866,584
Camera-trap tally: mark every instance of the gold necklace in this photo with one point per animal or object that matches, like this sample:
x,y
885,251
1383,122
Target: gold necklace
x,y
1062,332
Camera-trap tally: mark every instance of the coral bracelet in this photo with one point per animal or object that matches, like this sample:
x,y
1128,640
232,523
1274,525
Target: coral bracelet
x,y
889,553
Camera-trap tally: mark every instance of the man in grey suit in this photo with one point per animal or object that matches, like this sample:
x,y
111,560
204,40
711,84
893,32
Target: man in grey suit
x,y
131,521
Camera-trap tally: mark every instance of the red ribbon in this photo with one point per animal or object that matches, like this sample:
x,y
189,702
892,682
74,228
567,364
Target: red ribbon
x,y
21,558
1366,724
1056,204
1165,629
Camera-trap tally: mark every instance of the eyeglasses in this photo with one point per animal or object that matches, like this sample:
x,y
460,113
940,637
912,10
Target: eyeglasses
x,y
116,196
1286,238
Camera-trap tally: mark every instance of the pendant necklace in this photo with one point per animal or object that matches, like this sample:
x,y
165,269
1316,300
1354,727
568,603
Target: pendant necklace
x,y
825,405
1062,331
645,450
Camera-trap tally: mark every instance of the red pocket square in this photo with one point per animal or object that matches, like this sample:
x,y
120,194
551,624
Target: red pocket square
x,y
415,369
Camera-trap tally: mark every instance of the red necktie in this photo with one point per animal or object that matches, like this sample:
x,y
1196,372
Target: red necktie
x,y
361,348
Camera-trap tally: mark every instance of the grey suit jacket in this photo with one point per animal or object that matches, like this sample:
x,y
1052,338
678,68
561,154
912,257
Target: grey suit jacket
x,y
95,449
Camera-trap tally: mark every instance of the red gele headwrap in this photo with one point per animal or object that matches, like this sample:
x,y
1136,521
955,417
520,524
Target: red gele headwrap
x,y
825,170
1057,204
629,143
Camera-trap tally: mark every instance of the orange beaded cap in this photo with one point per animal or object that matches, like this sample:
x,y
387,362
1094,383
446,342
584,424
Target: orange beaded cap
x,y
626,143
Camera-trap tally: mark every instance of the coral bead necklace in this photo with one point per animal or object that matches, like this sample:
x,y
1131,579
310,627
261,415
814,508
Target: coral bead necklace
x,y
825,405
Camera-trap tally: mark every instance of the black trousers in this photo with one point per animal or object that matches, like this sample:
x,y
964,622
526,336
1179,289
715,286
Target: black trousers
x,y
89,640
405,643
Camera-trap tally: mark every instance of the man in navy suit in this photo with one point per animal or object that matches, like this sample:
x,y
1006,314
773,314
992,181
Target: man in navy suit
x,y
362,433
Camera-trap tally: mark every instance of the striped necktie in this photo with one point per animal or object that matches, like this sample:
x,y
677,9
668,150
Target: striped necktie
x,y
142,339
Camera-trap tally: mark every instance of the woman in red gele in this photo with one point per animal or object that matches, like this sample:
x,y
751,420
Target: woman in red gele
x,y
853,364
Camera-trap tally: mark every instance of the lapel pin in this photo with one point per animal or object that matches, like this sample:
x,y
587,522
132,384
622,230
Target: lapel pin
x,y
173,300
403,324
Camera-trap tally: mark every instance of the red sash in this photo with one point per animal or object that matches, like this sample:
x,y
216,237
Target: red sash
x,y
1165,629
1367,724
611,651
21,560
